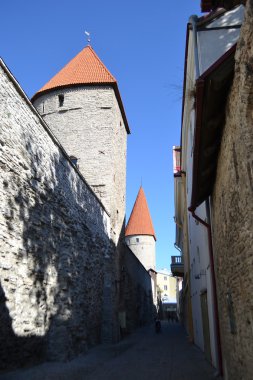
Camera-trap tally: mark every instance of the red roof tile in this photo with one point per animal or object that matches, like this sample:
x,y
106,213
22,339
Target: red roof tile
x,y
140,222
84,69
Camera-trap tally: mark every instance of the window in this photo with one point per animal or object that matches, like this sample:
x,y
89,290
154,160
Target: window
x,y
165,287
74,160
61,100
165,278
137,240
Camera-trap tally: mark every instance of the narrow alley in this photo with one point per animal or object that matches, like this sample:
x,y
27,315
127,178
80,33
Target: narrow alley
x,y
144,355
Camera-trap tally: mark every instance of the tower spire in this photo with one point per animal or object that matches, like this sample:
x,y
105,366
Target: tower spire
x,y
88,37
140,222
140,234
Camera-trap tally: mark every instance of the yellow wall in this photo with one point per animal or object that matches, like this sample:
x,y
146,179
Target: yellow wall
x,y
163,280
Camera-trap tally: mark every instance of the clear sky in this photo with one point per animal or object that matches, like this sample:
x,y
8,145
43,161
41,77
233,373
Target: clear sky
x,y
142,43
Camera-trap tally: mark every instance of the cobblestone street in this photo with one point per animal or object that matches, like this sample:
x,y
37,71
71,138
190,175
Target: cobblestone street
x,y
144,355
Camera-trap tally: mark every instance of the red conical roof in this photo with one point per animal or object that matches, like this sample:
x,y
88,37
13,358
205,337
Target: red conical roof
x,y
140,222
84,69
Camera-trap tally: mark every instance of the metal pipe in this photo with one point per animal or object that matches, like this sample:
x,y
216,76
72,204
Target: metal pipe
x,y
193,20
213,282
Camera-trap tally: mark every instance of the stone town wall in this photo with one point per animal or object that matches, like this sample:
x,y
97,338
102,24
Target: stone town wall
x,y
232,216
54,240
136,292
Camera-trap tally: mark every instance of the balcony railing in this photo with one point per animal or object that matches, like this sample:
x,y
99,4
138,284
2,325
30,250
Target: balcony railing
x,y
177,266
177,260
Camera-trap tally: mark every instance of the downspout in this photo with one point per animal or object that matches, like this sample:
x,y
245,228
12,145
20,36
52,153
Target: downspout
x,y
214,288
193,20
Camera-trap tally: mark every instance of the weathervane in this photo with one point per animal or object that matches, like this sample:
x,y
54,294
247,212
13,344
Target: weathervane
x,y
88,36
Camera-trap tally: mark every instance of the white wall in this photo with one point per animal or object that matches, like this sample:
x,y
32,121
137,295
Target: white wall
x,y
143,246
213,44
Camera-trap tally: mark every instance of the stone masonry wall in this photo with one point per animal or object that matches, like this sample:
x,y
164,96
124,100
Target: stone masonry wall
x,y
136,292
54,242
232,216
89,125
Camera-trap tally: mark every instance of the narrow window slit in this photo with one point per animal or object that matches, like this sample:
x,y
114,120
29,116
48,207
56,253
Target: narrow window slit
x,y
61,100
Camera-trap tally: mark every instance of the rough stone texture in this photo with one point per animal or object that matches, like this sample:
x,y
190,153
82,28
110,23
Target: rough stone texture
x,y
136,292
232,216
90,127
54,242
143,246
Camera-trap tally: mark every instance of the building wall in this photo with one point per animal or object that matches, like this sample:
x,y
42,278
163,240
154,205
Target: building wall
x,y
197,245
55,242
221,34
232,216
166,280
143,246
136,292
211,45
90,127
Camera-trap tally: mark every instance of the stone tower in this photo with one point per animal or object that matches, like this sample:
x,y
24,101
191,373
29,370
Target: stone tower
x,y
82,106
140,234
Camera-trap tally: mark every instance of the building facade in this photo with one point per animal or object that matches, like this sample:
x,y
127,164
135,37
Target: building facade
x,y
209,72
167,285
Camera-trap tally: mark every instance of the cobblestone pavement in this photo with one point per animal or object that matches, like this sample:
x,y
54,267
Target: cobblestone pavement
x,y
144,355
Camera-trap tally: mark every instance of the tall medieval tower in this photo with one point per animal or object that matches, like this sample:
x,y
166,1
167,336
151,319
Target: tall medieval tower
x,y
82,106
140,234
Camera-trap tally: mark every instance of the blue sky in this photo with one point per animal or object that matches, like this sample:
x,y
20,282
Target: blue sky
x,y
142,43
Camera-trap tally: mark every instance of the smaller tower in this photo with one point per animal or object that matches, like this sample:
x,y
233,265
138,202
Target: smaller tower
x,y
140,234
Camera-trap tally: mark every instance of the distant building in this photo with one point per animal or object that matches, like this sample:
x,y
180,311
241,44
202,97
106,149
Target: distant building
x,y
166,284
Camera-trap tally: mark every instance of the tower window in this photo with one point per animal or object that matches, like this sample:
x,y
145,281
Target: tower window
x,y
61,100
74,160
165,287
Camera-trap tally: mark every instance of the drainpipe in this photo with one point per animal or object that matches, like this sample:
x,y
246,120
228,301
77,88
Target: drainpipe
x,y
193,20
213,282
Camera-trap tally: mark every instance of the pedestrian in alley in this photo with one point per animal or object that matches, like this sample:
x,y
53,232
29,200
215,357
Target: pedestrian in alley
x,y
157,325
